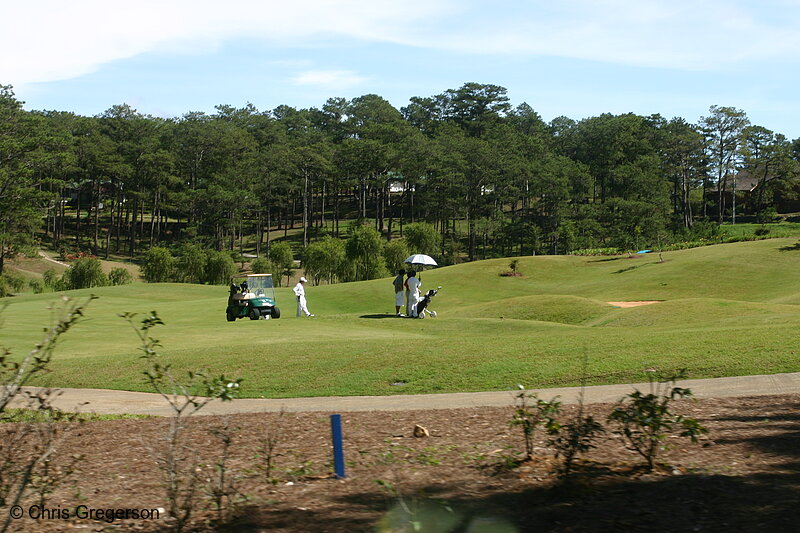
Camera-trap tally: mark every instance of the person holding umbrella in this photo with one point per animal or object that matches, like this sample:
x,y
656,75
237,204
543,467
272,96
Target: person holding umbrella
x,y
413,283
417,261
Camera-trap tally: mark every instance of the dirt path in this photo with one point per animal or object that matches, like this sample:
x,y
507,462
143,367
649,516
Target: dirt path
x,y
125,402
48,258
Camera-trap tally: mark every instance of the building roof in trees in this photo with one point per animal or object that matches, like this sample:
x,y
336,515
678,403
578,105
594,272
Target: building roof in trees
x,y
745,180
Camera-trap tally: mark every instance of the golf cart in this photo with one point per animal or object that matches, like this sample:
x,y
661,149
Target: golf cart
x,y
252,296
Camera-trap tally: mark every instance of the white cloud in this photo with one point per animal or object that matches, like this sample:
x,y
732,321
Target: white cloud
x,y
329,79
684,34
46,40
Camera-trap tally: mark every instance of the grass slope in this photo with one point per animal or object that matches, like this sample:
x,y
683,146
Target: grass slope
x,y
564,309
727,310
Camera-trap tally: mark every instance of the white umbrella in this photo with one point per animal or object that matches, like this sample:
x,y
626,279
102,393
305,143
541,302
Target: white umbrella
x,y
420,260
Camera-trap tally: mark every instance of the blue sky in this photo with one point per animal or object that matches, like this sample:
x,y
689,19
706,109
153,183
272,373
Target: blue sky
x,y
577,58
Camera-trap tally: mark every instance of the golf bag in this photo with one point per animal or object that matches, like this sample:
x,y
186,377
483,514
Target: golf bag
x,y
422,306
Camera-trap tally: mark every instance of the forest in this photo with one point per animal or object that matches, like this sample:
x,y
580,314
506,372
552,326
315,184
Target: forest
x,y
490,179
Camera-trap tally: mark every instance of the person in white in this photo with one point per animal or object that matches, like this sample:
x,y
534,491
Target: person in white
x,y
413,293
399,292
300,293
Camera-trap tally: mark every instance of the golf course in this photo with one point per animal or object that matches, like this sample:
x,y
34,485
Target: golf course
x,y
723,310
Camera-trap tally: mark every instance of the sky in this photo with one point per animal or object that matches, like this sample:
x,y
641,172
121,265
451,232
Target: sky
x,y
574,58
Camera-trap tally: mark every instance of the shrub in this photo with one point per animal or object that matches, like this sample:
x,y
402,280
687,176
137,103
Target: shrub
x,y
596,251
120,276
531,413
422,238
574,438
158,266
363,251
84,273
280,254
394,252
705,230
646,420
37,286
261,265
770,214
50,279
337,252
11,283
191,264
324,259
220,268
5,290
763,230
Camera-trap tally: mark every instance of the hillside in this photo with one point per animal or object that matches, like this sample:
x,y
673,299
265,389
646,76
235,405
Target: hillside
x,y
725,310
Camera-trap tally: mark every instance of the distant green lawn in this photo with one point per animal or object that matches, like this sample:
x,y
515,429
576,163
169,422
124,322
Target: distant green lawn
x,y
778,229
730,309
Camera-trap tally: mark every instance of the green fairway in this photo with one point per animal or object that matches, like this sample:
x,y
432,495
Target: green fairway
x,y
725,310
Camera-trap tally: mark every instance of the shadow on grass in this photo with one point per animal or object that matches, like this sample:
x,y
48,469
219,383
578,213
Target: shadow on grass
x,y
634,267
379,316
607,259
793,248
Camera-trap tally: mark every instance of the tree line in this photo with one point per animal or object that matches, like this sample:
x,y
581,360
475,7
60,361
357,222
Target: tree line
x,y
491,179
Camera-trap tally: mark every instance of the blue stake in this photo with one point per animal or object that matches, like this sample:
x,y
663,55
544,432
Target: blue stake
x,y
338,447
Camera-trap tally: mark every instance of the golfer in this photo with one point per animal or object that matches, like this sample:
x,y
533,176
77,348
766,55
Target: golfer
x,y
399,295
300,293
412,283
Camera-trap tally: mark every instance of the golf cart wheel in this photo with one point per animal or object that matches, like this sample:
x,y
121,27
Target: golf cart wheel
x,y
275,312
230,316
254,314
433,314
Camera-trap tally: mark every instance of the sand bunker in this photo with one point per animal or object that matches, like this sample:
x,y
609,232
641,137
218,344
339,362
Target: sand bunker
x,y
634,303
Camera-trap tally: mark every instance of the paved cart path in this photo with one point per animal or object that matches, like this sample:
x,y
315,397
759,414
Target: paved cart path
x,y
124,402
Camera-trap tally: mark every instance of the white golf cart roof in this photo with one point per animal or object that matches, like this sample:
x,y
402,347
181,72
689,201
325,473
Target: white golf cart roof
x,y
247,277
253,285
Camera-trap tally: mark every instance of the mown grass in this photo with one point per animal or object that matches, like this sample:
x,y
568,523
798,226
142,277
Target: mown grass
x,y
564,309
727,310
776,229
17,415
